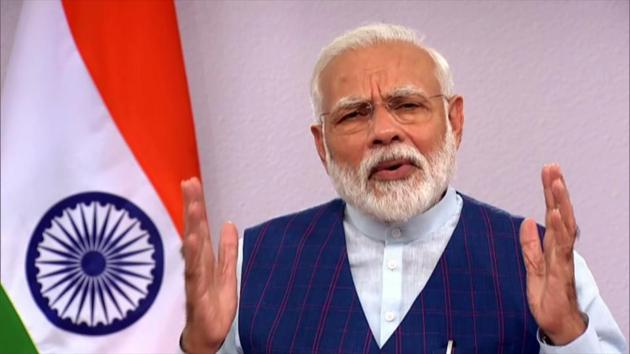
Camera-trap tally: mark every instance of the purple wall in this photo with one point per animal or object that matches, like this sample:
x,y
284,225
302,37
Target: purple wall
x,y
542,82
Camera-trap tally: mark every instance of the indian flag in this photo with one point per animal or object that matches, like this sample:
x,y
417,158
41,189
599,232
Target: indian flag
x,y
97,133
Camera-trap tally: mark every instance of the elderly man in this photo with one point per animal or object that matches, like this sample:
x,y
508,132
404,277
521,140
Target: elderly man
x,y
402,263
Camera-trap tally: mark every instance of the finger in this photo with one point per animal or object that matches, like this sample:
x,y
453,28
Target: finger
x,y
228,250
191,193
186,197
193,273
199,235
207,260
191,253
546,176
563,246
196,191
532,252
195,216
565,207
555,173
190,189
560,263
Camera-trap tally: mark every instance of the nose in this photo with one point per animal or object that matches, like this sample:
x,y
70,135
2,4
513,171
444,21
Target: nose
x,y
385,129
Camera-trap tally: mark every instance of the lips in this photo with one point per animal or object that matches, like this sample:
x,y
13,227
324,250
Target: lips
x,y
393,169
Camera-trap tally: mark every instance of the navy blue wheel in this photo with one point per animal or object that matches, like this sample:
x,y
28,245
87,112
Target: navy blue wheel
x,y
94,263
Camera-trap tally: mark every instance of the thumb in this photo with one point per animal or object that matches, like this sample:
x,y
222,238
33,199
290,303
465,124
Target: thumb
x,y
534,260
532,249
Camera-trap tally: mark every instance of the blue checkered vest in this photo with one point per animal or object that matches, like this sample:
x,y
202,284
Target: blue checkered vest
x,y
297,294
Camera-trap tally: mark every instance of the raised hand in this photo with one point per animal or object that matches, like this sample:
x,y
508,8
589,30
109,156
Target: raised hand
x,y
210,284
550,274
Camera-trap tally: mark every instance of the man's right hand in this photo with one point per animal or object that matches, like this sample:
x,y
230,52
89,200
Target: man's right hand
x,y
210,284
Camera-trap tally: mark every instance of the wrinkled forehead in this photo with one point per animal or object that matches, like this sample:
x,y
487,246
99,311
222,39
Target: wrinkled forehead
x,y
378,71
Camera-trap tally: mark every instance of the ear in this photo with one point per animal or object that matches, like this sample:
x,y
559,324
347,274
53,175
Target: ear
x,y
318,137
456,117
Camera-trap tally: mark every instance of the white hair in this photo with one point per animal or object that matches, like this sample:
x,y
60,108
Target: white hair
x,y
369,35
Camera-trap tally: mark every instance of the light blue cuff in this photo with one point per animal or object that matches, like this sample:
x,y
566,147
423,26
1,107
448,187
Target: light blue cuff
x,y
585,343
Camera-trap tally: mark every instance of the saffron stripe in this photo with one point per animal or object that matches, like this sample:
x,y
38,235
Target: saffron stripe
x,y
296,261
310,281
137,86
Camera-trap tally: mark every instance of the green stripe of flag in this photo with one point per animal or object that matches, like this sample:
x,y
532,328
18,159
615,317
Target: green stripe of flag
x,y
13,335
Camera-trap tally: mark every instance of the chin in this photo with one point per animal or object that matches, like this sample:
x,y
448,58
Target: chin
x,y
397,201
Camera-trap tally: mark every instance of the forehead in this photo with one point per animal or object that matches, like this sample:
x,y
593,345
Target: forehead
x,y
377,70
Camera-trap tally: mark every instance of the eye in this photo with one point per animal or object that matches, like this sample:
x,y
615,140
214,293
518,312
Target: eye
x,y
409,105
350,115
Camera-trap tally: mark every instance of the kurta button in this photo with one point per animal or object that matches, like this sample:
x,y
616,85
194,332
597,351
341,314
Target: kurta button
x,y
392,264
396,233
390,316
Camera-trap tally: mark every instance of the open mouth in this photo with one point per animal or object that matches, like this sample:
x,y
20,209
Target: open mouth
x,y
393,170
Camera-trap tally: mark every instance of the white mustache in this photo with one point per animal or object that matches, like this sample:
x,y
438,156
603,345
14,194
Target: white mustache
x,y
393,152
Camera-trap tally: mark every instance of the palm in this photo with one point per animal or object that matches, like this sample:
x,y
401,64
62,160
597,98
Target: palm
x,y
210,284
551,288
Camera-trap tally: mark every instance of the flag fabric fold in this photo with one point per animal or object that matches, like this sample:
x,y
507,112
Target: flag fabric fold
x,y
97,132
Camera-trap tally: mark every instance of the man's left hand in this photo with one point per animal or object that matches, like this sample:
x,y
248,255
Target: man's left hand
x,y
551,291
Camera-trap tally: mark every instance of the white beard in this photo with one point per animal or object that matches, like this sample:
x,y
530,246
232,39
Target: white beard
x,y
396,201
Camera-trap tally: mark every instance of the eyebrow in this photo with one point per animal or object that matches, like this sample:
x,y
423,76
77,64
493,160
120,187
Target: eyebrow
x,y
348,102
405,91
398,92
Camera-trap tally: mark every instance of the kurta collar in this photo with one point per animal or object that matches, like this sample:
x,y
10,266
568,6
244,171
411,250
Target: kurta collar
x,y
415,228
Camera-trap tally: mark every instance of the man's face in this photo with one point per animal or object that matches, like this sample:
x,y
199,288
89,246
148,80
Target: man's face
x,y
376,135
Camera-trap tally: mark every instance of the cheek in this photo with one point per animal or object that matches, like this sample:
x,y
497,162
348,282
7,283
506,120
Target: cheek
x,y
346,150
429,138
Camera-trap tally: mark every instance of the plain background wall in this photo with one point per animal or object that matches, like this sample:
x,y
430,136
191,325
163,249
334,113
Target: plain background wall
x,y
542,82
